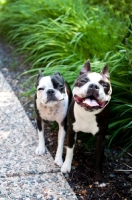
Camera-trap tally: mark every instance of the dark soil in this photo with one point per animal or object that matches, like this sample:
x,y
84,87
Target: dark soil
x,y
117,170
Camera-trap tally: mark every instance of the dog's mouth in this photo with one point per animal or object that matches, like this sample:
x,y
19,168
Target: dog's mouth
x,y
53,99
90,102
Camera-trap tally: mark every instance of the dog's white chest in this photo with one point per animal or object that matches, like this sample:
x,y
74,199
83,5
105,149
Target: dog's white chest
x,y
53,113
48,113
84,121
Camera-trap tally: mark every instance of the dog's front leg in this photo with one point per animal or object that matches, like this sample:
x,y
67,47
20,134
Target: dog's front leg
x,y
40,150
71,139
100,140
61,137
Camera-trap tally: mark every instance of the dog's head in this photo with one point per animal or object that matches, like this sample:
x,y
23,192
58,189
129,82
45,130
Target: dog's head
x,y
50,89
92,90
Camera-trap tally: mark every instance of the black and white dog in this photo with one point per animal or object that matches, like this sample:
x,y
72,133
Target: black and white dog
x,y
51,103
89,112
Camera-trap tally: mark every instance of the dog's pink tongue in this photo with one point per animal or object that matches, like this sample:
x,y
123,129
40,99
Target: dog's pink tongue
x,y
91,102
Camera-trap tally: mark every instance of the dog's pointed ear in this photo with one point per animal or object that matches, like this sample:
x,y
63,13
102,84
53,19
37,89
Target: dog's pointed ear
x,y
40,75
59,77
57,73
105,72
86,68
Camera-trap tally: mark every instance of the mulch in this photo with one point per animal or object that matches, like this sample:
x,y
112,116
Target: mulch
x,y
117,169
117,172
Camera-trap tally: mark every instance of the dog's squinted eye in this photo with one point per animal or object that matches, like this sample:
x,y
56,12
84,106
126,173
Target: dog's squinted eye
x,y
83,81
60,86
104,84
40,88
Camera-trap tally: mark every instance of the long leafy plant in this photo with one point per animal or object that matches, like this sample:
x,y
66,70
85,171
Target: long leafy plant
x,y
60,35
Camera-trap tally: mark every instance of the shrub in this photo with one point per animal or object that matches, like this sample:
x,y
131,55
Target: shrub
x,y
61,35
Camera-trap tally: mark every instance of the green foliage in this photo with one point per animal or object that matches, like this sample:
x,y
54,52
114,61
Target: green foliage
x,y
121,105
60,35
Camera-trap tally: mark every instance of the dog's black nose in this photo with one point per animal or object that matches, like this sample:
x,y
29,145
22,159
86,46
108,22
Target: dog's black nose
x,y
50,91
93,86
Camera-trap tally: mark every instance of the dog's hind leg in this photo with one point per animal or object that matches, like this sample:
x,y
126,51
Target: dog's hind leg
x,y
100,140
40,150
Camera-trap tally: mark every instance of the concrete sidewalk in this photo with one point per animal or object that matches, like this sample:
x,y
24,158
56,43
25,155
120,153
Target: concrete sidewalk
x,y
23,175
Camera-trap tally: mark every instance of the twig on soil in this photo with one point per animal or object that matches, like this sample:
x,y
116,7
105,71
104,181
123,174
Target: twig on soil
x,y
126,151
122,170
127,165
117,194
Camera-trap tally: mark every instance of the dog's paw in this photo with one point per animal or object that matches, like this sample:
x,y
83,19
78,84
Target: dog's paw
x,y
101,185
58,161
99,180
40,150
66,167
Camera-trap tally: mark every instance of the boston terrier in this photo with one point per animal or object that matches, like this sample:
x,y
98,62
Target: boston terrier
x,y
89,112
51,103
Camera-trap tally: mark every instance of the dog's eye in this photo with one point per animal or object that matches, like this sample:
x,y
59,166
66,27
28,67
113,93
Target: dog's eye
x,y
83,81
60,86
80,83
40,88
105,85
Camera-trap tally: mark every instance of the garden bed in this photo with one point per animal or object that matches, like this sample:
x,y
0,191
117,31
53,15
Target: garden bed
x,y
117,170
